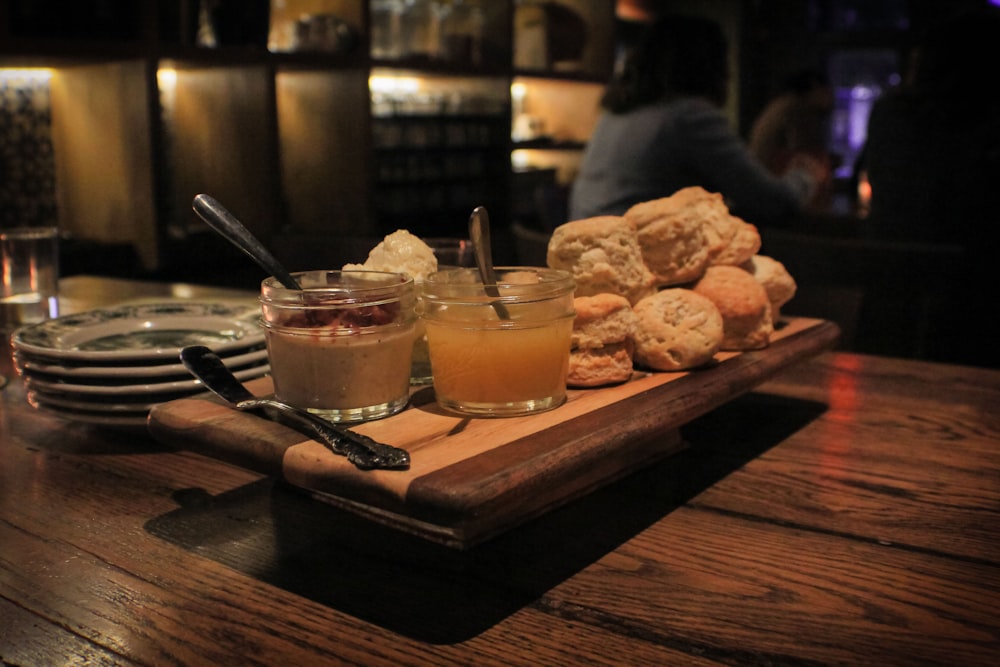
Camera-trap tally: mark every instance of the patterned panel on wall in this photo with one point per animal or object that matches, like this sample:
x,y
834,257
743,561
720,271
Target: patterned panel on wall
x,y
27,164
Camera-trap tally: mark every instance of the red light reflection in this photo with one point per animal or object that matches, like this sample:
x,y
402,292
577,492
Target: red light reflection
x,y
842,397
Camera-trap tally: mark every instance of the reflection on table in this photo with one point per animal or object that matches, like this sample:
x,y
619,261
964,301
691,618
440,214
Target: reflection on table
x,y
844,512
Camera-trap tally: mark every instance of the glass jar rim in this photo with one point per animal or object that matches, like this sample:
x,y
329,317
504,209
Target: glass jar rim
x,y
335,302
464,285
548,278
362,285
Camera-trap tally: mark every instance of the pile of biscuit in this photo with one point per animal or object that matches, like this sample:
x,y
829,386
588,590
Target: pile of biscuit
x,y
666,286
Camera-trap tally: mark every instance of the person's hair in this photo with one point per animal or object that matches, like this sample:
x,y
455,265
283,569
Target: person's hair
x,y
677,55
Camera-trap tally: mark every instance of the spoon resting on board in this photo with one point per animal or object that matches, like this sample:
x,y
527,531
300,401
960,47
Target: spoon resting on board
x,y
364,452
479,232
224,222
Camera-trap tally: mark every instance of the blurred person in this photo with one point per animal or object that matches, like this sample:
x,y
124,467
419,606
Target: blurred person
x,y
933,149
796,121
932,160
632,17
663,129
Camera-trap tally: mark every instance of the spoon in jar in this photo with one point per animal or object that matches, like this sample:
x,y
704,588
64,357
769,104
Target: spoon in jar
x,y
479,232
224,222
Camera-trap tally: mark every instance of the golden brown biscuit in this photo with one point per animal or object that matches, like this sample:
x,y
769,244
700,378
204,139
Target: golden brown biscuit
x,y
730,239
603,254
743,304
777,281
673,240
602,319
744,244
594,367
676,329
709,207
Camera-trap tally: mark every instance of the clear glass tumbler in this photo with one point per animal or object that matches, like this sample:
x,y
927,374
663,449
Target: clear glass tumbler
x,y
30,278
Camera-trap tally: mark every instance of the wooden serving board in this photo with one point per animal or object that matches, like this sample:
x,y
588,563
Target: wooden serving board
x,y
472,478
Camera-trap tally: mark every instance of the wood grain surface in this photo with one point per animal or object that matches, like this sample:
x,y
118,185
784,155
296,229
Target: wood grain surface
x,y
845,512
471,478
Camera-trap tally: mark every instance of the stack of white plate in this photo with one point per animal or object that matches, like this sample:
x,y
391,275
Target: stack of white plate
x,y
111,366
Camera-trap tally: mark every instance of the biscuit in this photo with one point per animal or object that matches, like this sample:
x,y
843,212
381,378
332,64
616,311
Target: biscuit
x,y
610,364
601,319
777,281
730,239
743,304
603,254
676,329
743,244
710,209
674,244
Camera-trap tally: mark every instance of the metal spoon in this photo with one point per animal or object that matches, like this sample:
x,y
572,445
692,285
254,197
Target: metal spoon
x,y
479,232
362,451
224,222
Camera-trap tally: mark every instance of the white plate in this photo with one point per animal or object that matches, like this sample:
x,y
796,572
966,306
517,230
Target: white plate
x,y
42,398
153,333
26,362
156,389
136,420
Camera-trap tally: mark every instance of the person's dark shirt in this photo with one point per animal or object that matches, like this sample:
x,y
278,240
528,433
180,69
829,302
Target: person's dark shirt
x,y
934,166
657,149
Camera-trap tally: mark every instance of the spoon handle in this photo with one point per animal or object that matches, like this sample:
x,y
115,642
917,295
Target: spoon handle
x,y
361,450
226,224
479,232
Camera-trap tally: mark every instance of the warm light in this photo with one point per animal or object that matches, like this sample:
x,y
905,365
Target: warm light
x,y
166,77
864,195
864,190
27,74
517,92
393,84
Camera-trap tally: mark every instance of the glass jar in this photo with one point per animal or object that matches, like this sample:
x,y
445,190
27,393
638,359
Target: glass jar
x,y
450,253
341,348
387,29
487,365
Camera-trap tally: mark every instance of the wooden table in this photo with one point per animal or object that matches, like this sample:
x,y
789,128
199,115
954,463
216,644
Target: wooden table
x,y
846,512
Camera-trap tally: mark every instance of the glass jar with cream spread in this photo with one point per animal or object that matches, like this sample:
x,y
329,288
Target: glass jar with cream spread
x,y
497,362
341,347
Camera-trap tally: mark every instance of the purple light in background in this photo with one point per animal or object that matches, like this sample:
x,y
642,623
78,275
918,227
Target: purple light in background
x,y
860,107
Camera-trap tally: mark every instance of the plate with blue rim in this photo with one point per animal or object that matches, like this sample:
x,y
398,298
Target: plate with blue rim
x,y
85,372
146,334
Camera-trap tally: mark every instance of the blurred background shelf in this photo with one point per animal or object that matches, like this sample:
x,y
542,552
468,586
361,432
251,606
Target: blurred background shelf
x,y
325,124
282,109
